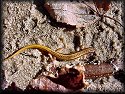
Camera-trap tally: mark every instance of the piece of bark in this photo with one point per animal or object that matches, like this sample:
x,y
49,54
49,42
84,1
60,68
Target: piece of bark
x,y
72,13
73,78
44,84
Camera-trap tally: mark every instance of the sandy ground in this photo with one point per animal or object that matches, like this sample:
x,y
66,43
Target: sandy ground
x,y
24,24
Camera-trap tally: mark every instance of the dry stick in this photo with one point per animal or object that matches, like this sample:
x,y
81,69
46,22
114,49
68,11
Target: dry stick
x,y
114,20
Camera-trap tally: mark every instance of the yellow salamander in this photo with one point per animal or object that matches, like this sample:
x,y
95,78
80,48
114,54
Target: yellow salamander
x,y
59,56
